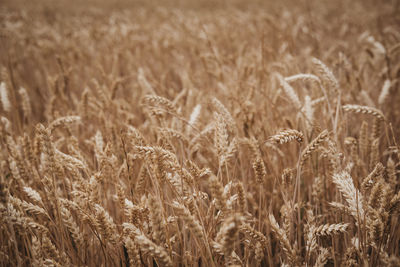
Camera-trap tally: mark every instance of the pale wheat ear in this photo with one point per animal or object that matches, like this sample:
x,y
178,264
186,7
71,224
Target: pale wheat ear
x,y
26,102
365,110
289,91
5,100
195,115
353,197
303,77
326,74
161,102
223,111
63,121
384,92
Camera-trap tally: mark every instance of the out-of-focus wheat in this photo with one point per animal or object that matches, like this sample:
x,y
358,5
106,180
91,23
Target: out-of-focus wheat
x,y
188,133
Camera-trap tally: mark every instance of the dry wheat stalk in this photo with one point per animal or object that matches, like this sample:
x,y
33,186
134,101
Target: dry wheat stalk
x,y
391,171
363,140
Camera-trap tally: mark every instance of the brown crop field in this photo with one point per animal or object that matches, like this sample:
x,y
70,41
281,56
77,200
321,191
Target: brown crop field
x,y
199,133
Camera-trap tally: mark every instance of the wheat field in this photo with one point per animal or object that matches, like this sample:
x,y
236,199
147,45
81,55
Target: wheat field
x,y
199,133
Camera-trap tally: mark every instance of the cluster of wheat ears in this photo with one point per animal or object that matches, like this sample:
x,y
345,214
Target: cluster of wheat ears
x,y
200,135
